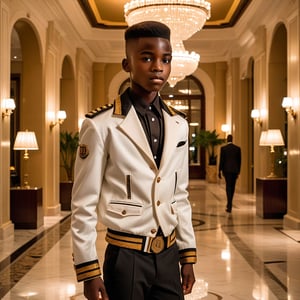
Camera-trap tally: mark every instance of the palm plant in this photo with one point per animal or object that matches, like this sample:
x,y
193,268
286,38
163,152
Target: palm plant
x,y
68,147
208,140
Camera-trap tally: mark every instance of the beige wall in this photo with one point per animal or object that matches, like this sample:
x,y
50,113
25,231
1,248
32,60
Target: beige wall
x,y
103,74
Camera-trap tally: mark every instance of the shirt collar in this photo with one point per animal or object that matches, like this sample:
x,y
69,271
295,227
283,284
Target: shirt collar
x,y
141,106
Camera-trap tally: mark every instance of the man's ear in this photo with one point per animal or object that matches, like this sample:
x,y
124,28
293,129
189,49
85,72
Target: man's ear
x,y
125,65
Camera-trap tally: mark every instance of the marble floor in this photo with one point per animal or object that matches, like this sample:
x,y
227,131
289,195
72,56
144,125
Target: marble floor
x,y
240,256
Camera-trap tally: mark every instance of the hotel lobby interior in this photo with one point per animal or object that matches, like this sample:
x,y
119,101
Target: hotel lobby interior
x,y
235,70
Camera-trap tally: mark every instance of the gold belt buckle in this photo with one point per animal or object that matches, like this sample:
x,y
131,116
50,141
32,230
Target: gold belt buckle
x,y
157,244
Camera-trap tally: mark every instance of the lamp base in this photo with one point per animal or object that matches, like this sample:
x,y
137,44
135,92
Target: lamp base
x,y
272,175
26,183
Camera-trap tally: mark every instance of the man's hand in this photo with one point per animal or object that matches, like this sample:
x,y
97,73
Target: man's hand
x,y
187,278
93,287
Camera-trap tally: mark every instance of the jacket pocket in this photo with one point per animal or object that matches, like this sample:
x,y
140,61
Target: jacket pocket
x,y
128,186
124,208
174,208
181,143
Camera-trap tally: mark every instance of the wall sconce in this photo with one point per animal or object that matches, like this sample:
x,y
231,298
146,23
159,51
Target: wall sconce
x,y
8,107
272,137
255,115
288,105
225,128
26,140
61,116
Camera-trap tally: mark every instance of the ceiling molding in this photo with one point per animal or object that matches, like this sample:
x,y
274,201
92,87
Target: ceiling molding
x,y
109,14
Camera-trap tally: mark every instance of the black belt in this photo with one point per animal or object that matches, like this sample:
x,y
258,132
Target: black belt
x,y
141,243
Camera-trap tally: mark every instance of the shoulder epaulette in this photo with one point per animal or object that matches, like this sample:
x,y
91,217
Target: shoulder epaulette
x,y
175,111
98,110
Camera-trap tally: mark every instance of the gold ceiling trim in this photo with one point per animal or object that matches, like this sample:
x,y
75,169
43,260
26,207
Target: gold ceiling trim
x,y
98,17
233,9
93,15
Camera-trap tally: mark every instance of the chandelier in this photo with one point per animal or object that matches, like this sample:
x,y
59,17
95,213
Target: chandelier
x,y
183,63
183,17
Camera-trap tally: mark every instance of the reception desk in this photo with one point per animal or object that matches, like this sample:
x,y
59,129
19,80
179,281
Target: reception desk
x,y
271,197
26,207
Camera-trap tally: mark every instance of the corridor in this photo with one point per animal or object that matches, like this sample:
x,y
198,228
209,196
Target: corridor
x,y
240,256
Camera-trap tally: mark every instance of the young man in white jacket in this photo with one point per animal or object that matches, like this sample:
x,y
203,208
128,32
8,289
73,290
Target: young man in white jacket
x,y
131,174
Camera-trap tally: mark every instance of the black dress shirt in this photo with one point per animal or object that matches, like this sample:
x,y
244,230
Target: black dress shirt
x,y
151,118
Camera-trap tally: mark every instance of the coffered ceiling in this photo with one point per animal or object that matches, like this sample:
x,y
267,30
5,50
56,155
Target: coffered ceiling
x,y
100,24
109,14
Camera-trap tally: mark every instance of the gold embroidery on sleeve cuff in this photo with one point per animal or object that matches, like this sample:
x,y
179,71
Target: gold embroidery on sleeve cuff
x,y
88,270
188,256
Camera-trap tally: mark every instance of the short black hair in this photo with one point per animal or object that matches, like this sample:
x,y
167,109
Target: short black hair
x,y
148,29
229,138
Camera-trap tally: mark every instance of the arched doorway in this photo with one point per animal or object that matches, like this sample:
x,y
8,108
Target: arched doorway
x,y
250,128
187,96
67,96
278,90
68,131
26,89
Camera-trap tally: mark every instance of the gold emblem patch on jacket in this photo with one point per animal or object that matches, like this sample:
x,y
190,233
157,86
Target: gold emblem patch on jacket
x,y
83,151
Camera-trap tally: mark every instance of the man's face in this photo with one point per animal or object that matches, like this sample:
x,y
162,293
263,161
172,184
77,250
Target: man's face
x,y
149,63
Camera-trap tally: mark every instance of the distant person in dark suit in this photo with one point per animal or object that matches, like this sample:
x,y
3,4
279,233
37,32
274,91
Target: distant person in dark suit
x,y
229,167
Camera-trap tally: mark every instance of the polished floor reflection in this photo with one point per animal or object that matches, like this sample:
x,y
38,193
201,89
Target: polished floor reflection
x,y
240,256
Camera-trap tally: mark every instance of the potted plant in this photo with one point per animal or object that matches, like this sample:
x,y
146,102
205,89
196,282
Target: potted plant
x,y
209,140
68,147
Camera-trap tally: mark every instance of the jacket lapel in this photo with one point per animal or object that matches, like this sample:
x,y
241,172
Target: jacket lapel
x,y
131,126
170,139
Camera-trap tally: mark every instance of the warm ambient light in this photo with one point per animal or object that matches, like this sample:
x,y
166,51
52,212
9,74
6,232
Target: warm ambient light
x,y
263,139
183,17
288,105
256,115
225,128
8,107
61,116
183,64
272,137
26,140
177,104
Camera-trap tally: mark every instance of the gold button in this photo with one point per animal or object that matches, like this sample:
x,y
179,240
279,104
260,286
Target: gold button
x,y
153,230
158,179
158,203
123,212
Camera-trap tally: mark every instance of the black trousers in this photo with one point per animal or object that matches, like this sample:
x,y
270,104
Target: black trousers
x,y
134,275
230,180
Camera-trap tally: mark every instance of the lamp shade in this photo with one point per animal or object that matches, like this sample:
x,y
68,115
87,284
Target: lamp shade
x,y
274,138
61,115
225,127
255,113
287,102
26,140
263,139
9,104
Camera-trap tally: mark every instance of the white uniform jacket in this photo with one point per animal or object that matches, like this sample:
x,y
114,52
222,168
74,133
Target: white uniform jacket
x,y
118,183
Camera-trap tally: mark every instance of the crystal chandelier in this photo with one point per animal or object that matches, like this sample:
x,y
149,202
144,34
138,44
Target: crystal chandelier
x,y
183,63
183,17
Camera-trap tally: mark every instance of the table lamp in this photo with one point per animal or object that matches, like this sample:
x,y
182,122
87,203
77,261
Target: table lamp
x,y
272,137
26,140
